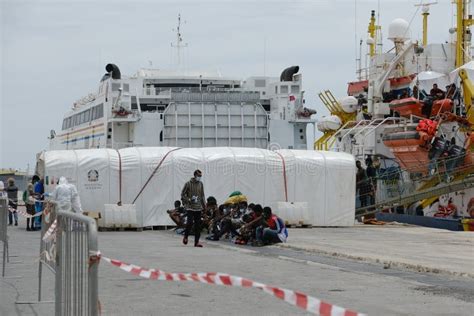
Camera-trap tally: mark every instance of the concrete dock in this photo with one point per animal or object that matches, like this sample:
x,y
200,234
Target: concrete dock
x,y
368,269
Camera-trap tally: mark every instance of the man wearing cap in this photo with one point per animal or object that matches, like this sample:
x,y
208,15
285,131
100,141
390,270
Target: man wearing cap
x,y
194,201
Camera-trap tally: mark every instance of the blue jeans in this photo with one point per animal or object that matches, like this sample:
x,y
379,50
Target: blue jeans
x,y
38,208
11,216
267,235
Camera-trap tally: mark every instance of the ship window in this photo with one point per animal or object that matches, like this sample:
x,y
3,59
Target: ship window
x,y
276,89
259,83
161,136
283,89
295,89
87,115
64,124
93,113
115,86
126,87
100,109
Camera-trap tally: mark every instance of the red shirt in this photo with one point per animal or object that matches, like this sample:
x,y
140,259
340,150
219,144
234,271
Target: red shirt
x,y
272,222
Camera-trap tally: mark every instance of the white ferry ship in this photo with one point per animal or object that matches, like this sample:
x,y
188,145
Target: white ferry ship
x,y
173,108
156,107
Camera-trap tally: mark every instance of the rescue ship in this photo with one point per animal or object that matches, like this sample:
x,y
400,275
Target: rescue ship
x,y
421,139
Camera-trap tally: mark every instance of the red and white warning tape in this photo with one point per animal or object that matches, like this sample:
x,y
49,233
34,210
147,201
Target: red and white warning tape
x,y
301,300
50,233
24,213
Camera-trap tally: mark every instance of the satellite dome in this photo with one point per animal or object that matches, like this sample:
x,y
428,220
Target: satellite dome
x,y
399,29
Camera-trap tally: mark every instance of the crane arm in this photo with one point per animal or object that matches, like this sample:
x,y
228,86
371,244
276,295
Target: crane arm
x,y
468,91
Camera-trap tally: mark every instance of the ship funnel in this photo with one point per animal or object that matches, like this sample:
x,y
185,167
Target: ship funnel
x,y
113,71
287,74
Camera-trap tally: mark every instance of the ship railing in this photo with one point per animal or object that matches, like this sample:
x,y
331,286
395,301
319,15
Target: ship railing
x,y
400,184
332,139
348,132
374,128
168,91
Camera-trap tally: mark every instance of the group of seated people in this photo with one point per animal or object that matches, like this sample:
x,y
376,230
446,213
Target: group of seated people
x,y
236,220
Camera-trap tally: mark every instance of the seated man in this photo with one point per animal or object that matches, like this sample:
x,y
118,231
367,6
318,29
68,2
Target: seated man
x,y
209,213
252,220
232,222
272,231
215,223
436,93
178,215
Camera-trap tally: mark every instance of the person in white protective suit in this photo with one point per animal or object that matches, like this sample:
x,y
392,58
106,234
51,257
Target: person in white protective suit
x,y
66,196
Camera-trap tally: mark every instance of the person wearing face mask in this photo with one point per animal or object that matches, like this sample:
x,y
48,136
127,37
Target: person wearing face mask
x,y
194,201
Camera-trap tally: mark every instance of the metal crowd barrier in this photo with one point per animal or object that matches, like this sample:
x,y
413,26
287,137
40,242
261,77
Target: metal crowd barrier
x,y
77,261
3,231
47,247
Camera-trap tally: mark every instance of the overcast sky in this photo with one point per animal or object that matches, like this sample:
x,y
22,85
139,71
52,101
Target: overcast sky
x,y
54,52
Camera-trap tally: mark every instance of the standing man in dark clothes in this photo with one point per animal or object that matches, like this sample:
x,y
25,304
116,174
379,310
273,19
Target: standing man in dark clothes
x,y
372,179
12,192
361,184
194,201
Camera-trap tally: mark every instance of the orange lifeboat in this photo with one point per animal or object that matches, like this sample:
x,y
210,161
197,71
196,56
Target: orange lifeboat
x,y
412,106
406,107
441,106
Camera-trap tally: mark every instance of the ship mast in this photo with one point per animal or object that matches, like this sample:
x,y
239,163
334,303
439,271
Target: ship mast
x,y
425,8
179,42
463,33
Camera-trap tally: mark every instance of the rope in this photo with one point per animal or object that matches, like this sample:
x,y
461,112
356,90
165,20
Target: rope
x,y
284,176
120,178
153,173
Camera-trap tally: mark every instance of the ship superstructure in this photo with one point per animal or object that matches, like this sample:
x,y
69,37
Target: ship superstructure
x,y
392,115
172,108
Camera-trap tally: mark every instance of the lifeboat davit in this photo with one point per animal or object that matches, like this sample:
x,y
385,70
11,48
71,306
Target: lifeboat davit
x,y
412,106
329,123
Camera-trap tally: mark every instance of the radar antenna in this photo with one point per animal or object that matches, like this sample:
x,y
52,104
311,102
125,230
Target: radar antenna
x,y
179,41
425,8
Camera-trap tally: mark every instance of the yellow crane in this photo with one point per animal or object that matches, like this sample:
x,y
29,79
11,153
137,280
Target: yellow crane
x,y
325,141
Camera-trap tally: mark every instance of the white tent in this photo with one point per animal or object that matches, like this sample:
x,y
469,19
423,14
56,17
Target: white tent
x,y
454,77
426,79
152,178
